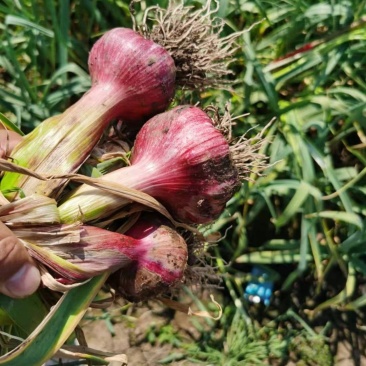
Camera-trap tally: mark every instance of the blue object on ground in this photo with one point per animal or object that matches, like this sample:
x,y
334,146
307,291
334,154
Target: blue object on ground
x,y
260,288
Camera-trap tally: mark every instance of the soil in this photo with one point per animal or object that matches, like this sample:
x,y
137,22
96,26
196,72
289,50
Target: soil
x,y
132,339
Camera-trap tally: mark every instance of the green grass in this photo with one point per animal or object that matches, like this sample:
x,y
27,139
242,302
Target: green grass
x,y
305,218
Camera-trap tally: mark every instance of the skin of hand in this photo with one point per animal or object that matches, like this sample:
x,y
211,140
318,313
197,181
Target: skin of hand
x,y
19,275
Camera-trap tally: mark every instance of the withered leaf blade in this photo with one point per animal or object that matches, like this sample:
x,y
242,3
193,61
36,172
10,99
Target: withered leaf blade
x,y
35,209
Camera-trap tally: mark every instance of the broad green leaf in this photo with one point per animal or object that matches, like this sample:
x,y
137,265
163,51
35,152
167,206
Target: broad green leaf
x,y
69,68
264,77
280,244
354,241
316,251
320,12
5,318
304,249
347,217
295,69
358,263
284,187
10,125
352,92
294,206
356,304
15,20
273,257
325,163
56,328
342,296
25,313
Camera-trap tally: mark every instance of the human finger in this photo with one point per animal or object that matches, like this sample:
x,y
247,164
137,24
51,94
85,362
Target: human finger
x,y
19,275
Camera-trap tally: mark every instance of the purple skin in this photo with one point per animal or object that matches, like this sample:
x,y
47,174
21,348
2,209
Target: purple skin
x,y
140,70
161,267
180,159
150,257
132,79
192,173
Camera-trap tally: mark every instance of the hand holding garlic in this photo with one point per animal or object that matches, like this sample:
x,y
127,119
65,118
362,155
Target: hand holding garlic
x,y
19,275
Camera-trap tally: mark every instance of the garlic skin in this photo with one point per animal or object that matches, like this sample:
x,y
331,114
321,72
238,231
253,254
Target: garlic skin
x,y
144,72
132,79
149,258
187,164
180,159
162,265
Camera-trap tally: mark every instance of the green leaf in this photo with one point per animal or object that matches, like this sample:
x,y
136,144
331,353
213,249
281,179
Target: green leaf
x,y
10,125
356,304
15,20
5,318
349,217
273,257
294,206
56,328
342,296
25,313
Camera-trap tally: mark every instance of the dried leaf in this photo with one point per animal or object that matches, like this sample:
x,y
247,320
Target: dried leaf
x,y
117,189
50,282
51,235
67,269
184,308
35,209
82,352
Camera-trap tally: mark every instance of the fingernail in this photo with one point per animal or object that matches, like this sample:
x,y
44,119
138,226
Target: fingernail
x,y
24,282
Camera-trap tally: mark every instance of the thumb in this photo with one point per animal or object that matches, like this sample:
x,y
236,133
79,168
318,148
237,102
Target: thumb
x,y
19,276
8,140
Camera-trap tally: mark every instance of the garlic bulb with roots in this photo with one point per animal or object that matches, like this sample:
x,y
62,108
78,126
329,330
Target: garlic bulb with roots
x,y
151,257
145,279
132,78
181,159
137,74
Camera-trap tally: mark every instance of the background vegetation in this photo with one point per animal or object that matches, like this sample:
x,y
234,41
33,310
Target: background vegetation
x,y
302,222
